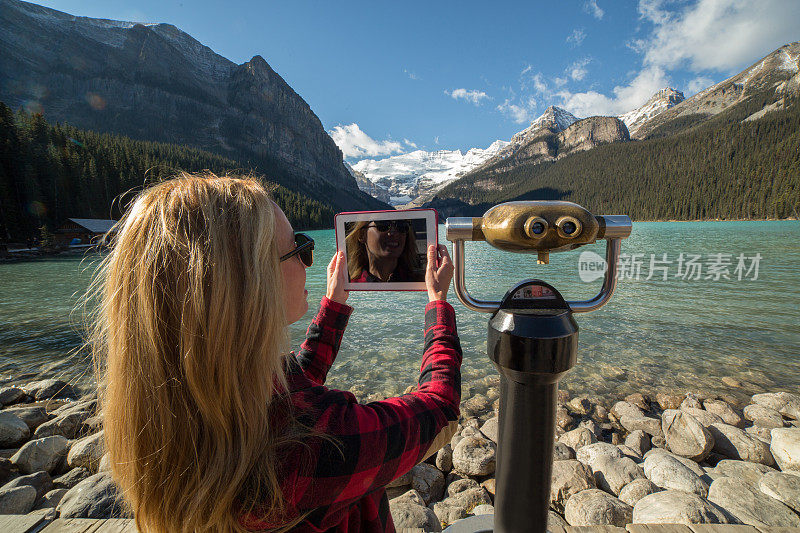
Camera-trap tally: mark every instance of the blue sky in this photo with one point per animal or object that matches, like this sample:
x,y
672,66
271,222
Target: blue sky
x,y
389,77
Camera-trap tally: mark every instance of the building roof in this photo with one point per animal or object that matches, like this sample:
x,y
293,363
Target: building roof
x,y
94,225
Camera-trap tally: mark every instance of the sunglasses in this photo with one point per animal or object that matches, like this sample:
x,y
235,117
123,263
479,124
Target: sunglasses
x,y
303,247
399,226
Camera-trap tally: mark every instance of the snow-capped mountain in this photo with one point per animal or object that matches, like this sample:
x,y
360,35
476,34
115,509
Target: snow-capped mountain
x,y
405,177
658,103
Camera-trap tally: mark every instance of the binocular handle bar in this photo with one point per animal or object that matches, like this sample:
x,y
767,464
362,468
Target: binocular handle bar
x,y
616,228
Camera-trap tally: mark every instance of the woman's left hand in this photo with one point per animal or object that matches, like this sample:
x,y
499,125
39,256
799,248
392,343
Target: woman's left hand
x,y
337,277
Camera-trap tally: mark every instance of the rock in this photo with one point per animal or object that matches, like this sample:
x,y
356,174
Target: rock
x,y
630,453
562,452
458,506
470,431
691,401
410,496
589,453
685,435
668,401
638,400
94,497
785,447
704,417
13,431
460,485
677,507
593,507
489,429
669,473
763,416
489,486
651,426
785,403
87,452
409,516
428,481
41,454
580,405
483,508
474,456
569,477
638,441
578,438
613,473
444,458
783,487
730,381
555,523
750,473
41,481
50,388
7,470
34,416
402,481
734,443
759,432
621,409
564,420
636,490
17,500
76,475
688,463
89,406
68,425
749,505
600,413
50,500
592,426
658,441
11,395
723,410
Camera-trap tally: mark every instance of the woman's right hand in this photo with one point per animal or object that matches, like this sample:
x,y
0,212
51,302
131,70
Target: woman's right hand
x,y
438,273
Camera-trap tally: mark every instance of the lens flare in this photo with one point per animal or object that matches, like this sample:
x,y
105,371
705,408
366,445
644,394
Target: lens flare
x,y
95,101
33,106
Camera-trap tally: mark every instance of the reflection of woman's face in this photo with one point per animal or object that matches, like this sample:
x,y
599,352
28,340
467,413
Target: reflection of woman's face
x,y
386,244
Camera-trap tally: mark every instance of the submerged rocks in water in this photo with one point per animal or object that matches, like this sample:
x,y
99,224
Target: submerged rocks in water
x,y
750,505
677,507
593,507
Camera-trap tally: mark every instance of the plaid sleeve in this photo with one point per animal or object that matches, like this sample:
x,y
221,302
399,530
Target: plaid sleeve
x,y
323,338
377,442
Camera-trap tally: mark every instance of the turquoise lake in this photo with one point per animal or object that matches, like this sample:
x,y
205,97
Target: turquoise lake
x,y
678,334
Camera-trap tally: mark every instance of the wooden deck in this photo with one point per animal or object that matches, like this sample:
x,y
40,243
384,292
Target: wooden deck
x,y
39,524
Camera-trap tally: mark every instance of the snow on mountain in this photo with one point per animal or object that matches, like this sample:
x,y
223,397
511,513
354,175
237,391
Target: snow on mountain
x,y
659,102
554,118
406,176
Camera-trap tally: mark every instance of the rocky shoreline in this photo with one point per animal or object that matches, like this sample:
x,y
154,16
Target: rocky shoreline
x,y
663,459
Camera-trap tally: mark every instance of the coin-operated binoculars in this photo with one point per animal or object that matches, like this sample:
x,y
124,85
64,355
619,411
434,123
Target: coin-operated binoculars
x,y
533,340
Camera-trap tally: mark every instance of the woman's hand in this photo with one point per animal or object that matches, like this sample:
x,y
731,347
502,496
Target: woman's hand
x,y
437,278
337,277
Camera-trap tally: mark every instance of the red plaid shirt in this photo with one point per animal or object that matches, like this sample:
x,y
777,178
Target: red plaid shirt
x,y
343,487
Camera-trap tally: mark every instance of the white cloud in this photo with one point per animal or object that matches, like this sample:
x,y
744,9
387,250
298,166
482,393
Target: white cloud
x,y
472,95
521,112
577,71
626,97
411,75
409,143
593,9
721,35
576,37
436,140
529,80
355,143
559,82
697,85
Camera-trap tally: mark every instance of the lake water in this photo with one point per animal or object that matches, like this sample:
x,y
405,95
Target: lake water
x,y
676,334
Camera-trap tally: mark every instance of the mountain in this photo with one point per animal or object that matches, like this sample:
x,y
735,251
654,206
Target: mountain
x,y
657,104
403,178
155,82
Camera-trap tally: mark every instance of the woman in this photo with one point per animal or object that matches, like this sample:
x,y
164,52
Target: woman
x,y
381,251
210,424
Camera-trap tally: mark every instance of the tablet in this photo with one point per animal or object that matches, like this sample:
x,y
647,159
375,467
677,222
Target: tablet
x,y
386,250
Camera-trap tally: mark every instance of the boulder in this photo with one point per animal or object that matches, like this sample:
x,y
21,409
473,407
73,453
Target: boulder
x,y
76,475
630,453
7,470
50,500
41,481
785,403
578,438
459,505
704,417
11,395
651,426
785,447
444,458
474,456
735,443
50,388
87,452
749,505
678,507
669,473
783,487
613,473
489,486
685,435
691,401
410,496
483,508
621,409
592,426
13,430
564,420
636,490
580,405
638,441
95,497
688,463
750,473
639,400
723,410
589,453
669,401
562,452
428,481
569,477
761,433
460,485
489,429
17,500
67,425
593,507
41,454
410,516
33,415
763,416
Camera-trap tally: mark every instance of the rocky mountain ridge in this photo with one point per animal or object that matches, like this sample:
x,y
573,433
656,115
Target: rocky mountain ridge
x,y
657,104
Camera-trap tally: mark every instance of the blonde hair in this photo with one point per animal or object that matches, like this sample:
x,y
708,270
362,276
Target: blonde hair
x,y
358,260
189,338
